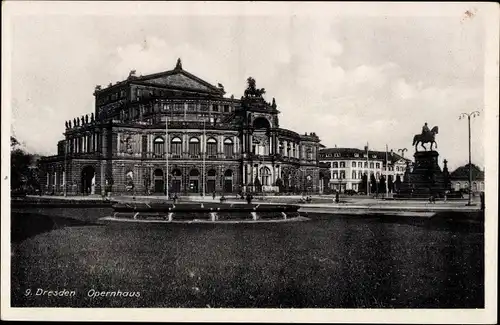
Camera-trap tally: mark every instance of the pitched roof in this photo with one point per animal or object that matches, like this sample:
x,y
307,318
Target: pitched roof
x,y
179,78
462,173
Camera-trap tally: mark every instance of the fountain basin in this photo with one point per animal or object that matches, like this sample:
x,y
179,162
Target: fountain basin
x,y
204,212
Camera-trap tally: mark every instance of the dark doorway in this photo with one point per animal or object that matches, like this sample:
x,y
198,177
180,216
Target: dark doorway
x,y
88,180
211,175
194,176
159,182
228,181
176,181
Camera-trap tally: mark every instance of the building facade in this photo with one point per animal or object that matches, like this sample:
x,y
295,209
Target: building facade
x,y
211,143
343,168
460,179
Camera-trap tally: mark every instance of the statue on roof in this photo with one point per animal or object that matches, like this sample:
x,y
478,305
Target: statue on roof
x,y
221,87
97,87
252,90
74,122
87,119
66,124
178,66
131,74
274,103
91,117
82,119
69,124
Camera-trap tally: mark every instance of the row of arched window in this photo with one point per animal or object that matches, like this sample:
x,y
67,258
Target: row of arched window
x,y
194,148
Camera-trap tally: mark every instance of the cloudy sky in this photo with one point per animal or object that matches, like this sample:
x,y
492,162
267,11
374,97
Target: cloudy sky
x,y
352,80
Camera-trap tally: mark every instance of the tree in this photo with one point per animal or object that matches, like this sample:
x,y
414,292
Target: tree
x,y
24,172
397,184
390,184
373,183
362,186
381,186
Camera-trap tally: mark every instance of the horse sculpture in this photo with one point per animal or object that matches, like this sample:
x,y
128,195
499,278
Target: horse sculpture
x,y
424,138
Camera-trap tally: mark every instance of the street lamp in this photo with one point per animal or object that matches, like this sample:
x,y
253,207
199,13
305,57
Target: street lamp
x,y
469,115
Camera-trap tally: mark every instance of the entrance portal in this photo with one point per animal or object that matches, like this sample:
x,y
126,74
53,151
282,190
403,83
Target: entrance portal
x,y
228,181
88,180
194,176
159,182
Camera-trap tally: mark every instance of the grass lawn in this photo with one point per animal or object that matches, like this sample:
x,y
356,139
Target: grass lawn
x,y
327,262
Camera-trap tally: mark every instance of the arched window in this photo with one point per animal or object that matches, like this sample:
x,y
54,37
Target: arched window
x,y
266,176
228,148
335,164
159,147
342,174
366,165
474,186
371,165
194,147
353,175
194,173
360,164
211,147
342,164
176,147
211,173
353,164
378,165
360,175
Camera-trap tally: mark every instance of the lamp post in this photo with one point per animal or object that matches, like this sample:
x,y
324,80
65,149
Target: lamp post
x,y
469,115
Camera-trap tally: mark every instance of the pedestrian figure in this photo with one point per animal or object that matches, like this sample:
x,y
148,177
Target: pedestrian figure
x,y
249,198
222,198
481,196
337,197
213,195
175,198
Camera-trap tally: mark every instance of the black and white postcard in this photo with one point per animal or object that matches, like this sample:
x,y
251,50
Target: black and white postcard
x,y
250,161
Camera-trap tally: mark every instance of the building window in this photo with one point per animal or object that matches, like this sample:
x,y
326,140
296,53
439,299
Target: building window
x,y
353,164
191,107
204,107
335,164
378,165
356,155
228,148
211,147
215,107
371,165
342,164
335,175
366,165
360,175
176,147
266,176
178,107
353,175
360,164
194,146
336,155
342,175
158,147
226,108
281,148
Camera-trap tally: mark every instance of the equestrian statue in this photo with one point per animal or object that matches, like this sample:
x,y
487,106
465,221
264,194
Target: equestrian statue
x,y
425,137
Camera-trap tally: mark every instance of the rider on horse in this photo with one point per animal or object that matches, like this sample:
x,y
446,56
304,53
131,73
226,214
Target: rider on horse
x,y
425,130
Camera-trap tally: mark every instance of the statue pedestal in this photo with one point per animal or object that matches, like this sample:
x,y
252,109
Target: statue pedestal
x,y
425,179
